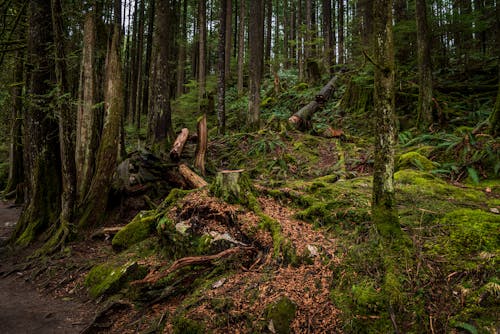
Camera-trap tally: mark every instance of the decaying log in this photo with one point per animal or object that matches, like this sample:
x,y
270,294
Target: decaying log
x,y
106,232
176,151
301,119
193,179
154,277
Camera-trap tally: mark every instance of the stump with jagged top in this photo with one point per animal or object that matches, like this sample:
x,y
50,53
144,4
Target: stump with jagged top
x,y
233,186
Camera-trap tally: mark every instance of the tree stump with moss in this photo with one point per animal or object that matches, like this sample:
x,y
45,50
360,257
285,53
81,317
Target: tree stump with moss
x,y
233,186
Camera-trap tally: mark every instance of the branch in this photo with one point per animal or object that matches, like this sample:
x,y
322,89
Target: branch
x,y
372,61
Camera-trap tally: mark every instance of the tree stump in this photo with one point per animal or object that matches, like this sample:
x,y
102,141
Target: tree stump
x,y
233,186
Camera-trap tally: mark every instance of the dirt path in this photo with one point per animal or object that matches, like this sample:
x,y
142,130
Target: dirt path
x,y
25,310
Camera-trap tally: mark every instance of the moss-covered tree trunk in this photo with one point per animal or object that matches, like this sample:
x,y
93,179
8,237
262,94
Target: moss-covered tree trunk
x,y
41,141
424,107
96,200
383,205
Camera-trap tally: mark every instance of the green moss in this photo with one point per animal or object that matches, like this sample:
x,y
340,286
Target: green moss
x,y
182,325
173,196
470,232
140,228
366,296
415,160
109,278
281,313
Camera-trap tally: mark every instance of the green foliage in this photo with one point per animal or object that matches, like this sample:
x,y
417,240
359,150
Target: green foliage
x,y
183,325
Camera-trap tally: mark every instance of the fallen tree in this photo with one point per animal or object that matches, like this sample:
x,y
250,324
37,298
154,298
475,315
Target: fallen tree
x,y
302,118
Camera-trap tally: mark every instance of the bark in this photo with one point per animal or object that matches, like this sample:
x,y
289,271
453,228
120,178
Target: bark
x,y
147,63
424,106
241,46
341,31
97,197
232,186
300,41
180,141
16,169
256,40
182,52
286,34
221,82
202,40
229,26
66,130
41,144
133,70
139,78
160,113
328,34
87,118
309,28
384,211
269,18
193,179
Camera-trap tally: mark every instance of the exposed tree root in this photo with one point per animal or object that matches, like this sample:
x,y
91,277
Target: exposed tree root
x,y
154,277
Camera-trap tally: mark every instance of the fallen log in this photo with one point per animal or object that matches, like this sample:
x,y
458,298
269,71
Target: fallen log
x,y
193,179
302,118
154,277
107,232
176,151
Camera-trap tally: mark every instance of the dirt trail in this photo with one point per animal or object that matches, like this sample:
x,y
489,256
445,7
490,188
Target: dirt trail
x,y
22,308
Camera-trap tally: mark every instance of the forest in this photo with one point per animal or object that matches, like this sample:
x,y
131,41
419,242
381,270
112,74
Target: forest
x,y
249,166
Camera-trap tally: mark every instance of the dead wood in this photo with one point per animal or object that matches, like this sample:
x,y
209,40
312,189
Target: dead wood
x,y
301,119
154,277
106,232
176,151
193,179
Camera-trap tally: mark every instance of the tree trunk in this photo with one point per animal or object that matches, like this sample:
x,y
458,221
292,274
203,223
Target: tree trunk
x,y
201,148
269,19
159,116
182,52
87,118
202,41
97,197
256,40
147,64
328,33
193,179
16,170
384,211
41,144
424,107
229,27
341,31
139,78
66,132
241,46
221,83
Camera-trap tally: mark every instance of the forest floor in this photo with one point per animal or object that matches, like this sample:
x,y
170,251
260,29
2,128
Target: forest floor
x,y
24,306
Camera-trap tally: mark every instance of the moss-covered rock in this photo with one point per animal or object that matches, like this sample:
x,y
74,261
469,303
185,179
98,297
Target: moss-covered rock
x,y
415,160
281,313
109,278
137,230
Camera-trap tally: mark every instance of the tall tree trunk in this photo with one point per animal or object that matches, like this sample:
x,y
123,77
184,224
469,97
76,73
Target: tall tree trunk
x,y
300,41
16,168
221,83
202,100
424,107
241,46
182,51
228,33
341,31
87,118
66,132
139,78
328,34
383,204
96,200
147,64
286,35
41,144
269,18
256,40
495,114
159,116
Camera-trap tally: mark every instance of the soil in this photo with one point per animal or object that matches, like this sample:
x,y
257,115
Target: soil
x,y
24,306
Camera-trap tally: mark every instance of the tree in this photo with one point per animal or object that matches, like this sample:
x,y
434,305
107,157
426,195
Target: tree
x,y
424,106
383,204
96,199
41,141
241,45
221,83
341,31
256,40
202,78
160,113
328,33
